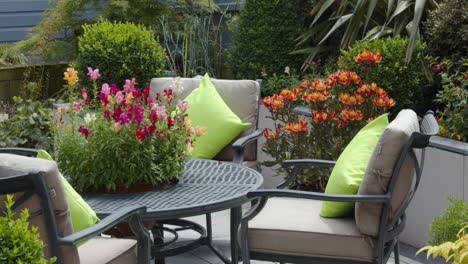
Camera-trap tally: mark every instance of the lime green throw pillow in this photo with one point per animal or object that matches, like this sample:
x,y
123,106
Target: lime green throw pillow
x,y
82,214
351,166
208,109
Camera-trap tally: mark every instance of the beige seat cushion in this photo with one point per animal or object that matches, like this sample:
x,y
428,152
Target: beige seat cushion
x,y
294,227
380,168
11,165
101,250
242,97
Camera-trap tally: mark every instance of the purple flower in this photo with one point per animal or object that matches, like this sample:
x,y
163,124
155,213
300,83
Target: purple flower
x,y
182,105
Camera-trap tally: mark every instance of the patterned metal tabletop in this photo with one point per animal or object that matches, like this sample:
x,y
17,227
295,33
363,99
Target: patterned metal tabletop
x,y
204,186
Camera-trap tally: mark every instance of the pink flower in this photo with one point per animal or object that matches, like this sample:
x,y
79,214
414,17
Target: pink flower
x,y
106,89
129,85
77,106
93,74
119,97
84,93
84,131
182,105
161,112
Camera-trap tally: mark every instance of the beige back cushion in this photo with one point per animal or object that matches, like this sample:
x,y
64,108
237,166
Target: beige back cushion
x,y
240,95
380,168
11,165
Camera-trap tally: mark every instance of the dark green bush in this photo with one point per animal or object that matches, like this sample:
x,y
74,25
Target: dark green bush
x,y
19,243
120,51
264,35
406,83
446,227
446,30
276,82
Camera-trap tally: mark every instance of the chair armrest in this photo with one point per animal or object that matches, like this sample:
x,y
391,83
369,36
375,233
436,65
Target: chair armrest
x,y
20,151
319,196
239,145
102,225
301,163
308,163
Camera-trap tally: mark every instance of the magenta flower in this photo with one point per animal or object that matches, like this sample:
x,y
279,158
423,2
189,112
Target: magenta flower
x,y
84,93
168,93
119,97
146,92
114,89
107,114
129,85
84,131
125,119
87,101
93,74
139,111
106,89
140,134
104,99
182,105
170,122
117,113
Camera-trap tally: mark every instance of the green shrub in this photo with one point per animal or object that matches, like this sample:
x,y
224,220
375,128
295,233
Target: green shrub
x,y
446,227
119,51
446,30
264,35
27,125
18,242
454,98
275,83
403,82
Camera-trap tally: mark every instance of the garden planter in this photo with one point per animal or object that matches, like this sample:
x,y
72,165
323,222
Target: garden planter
x,y
445,174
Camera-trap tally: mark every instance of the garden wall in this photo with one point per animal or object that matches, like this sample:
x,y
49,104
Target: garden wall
x,y
445,174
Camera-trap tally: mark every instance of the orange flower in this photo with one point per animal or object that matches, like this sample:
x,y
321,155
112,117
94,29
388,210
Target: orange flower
x,y
389,102
270,135
379,101
71,76
359,99
289,95
380,92
296,127
332,115
319,116
365,88
352,100
318,85
344,97
304,85
354,77
351,115
377,57
373,87
343,77
267,102
331,80
278,102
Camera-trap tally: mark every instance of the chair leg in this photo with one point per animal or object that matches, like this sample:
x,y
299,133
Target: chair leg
x,y
396,253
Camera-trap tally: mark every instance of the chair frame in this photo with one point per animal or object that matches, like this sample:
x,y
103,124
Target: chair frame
x,y
389,229
34,183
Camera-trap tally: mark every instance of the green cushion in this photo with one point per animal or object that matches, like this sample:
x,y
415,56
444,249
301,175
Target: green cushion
x,y
351,166
207,109
82,215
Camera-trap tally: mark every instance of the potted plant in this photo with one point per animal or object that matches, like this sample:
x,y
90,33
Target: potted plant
x,y
122,140
339,106
19,242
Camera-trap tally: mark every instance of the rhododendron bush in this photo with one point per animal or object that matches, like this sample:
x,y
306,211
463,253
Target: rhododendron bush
x,y
337,107
121,136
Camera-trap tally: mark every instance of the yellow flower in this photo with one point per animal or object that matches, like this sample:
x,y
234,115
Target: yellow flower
x,y
129,97
200,131
187,123
71,76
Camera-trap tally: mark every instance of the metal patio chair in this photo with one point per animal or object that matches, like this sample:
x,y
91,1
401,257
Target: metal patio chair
x,y
36,185
285,225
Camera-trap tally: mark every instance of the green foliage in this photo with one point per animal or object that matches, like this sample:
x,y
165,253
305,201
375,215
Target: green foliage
x,y
454,98
19,243
55,37
446,227
274,84
455,252
120,51
446,30
28,126
11,55
264,35
403,82
363,20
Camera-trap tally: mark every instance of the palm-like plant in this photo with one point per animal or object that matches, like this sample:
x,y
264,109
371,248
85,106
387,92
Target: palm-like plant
x,y
363,19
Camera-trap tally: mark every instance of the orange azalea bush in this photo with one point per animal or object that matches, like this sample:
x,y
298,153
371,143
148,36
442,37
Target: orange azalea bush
x,y
338,108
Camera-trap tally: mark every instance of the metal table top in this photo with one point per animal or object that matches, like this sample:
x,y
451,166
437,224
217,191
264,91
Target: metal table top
x,y
204,186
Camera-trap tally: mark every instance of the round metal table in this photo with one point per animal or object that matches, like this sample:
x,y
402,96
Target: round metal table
x,y
205,186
